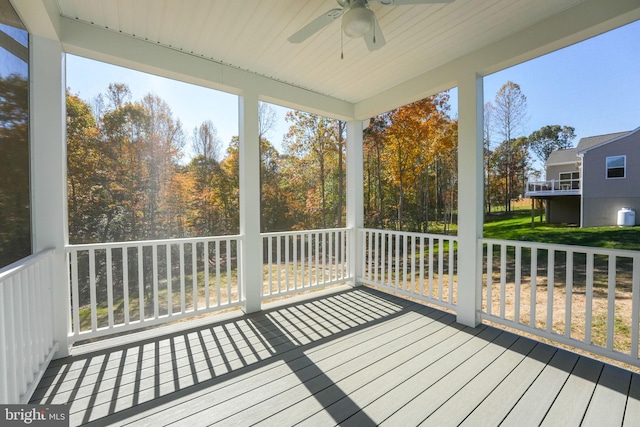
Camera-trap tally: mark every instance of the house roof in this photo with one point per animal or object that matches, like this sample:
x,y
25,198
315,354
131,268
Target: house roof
x,y
570,155
613,137
591,141
558,157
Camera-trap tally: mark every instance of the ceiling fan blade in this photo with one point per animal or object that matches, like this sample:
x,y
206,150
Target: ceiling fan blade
x,y
374,38
403,2
316,25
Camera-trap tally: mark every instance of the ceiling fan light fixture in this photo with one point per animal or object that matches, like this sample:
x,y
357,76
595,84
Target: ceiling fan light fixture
x,y
357,21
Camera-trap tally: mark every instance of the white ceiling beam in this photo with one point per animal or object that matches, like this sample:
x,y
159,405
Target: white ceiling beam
x,y
585,20
41,17
109,46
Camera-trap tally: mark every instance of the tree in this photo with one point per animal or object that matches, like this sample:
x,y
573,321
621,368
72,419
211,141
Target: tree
x,y
266,119
374,182
314,140
268,169
85,177
414,139
550,138
487,127
205,141
509,118
510,162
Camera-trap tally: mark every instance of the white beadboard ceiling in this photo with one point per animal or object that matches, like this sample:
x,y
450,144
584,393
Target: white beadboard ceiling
x,y
252,35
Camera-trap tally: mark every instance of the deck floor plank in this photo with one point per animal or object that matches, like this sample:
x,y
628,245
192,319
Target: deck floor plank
x,y
393,400
264,398
391,379
466,399
609,398
632,412
348,380
499,402
289,361
571,403
350,357
146,384
431,398
536,401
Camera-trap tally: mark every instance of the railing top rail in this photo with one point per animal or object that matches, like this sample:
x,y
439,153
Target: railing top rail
x,y
132,244
570,248
297,232
413,233
18,266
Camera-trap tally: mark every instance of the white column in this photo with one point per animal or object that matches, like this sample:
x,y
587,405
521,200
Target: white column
x,y
470,198
251,248
355,198
49,172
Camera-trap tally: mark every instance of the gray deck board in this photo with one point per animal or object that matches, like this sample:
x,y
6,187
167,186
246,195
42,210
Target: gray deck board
x,y
609,398
632,412
269,397
498,403
571,403
391,379
431,398
351,357
467,398
367,382
536,401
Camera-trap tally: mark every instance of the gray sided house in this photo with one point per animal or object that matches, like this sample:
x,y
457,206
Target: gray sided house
x,y
589,184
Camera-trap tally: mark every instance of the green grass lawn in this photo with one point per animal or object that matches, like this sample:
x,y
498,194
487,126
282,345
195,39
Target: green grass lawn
x,y
517,226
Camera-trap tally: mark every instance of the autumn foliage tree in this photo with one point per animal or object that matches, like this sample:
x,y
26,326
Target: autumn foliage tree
x,y
411,166
129,179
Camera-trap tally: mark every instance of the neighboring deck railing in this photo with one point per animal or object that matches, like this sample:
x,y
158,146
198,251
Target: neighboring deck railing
x,y
26,329
118,287
297,261
421,266
585,297
554,186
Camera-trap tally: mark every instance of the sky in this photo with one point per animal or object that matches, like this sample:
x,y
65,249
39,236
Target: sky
x,y
593,86
12,64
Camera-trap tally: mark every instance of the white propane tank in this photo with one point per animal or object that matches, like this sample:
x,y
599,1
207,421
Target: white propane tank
x,y
626,217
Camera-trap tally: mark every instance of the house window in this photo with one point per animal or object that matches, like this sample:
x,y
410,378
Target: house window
x,y
569,180
616,166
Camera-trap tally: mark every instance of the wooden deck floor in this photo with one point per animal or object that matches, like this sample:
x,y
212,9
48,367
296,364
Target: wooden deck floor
x,y
353,357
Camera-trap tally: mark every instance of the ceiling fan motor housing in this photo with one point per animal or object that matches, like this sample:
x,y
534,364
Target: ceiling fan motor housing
x,y
357,20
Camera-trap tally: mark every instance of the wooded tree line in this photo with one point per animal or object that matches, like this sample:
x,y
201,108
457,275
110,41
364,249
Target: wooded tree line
x,y
508,153
127,178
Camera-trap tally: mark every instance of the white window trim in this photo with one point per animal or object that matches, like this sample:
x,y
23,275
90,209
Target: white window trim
x,y
606,167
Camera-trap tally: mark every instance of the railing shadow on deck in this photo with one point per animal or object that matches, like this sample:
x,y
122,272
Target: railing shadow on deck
x,y
122,381
114,384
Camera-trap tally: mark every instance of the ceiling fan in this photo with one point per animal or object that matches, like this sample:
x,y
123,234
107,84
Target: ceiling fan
x,y
357,21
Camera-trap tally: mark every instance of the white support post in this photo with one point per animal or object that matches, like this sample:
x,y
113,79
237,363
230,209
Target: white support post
x,y
251,258
355,198
49,173
470,198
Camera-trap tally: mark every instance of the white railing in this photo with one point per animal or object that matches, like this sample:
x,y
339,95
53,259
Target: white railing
x,y
117,287
26,326
581,296
297,261
561,186
421,266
